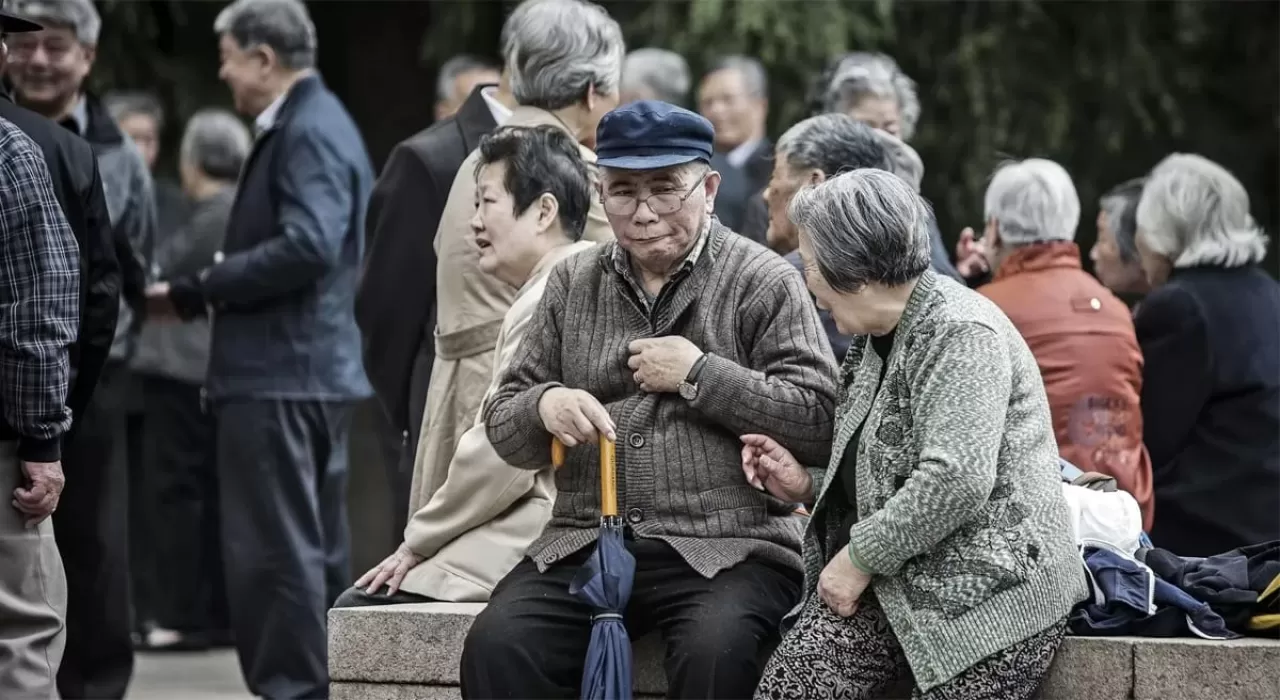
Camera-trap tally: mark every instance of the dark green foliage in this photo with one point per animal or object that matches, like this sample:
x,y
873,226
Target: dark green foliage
x,y
1106,88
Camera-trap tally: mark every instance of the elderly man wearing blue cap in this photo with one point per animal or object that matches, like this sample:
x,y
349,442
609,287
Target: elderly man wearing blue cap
x,y
674,341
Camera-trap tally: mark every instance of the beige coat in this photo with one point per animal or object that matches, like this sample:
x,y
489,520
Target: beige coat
x,y
478,524
470,309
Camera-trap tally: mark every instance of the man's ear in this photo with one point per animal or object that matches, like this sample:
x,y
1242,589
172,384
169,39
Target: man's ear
x,y
992,234
268,57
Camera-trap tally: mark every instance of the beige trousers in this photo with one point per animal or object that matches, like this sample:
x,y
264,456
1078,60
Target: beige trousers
x,y
33,596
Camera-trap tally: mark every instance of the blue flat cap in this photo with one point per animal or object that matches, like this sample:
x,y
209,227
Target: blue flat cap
x,y
650,135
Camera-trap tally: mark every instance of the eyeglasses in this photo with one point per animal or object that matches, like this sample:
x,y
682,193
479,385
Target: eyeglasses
x,y
24,46
661,203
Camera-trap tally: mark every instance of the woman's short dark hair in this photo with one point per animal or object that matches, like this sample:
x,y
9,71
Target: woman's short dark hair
x,y
542,160
1120,206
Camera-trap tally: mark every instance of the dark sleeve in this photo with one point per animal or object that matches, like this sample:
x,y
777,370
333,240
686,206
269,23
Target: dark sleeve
x,y
1177,371
39,304
101,282
755,221
138,223
398,288
940,259
315,192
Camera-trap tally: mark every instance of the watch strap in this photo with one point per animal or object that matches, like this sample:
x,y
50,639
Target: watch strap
x,y
696,369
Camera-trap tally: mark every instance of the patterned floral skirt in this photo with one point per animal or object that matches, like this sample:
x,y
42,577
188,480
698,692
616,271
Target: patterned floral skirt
x,y
859,658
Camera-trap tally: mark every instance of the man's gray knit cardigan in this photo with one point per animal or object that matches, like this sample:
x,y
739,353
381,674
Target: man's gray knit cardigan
x,y
961,516
680,474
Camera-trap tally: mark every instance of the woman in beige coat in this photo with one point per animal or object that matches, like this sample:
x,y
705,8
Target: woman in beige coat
x,y
533,194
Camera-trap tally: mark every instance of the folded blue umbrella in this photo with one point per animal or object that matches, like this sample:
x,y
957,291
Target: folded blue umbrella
x,y
604,582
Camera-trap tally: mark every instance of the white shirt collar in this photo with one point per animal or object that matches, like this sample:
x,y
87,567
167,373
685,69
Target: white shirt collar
x,y
268,117
739,156
80,115
499,111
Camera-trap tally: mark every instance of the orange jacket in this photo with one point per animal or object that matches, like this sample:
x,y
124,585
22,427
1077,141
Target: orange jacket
x,y
1082,337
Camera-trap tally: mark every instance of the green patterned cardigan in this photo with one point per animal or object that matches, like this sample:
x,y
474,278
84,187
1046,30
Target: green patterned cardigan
x,y
961,517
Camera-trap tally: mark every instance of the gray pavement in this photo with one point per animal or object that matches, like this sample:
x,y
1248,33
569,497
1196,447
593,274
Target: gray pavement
x,y
212,675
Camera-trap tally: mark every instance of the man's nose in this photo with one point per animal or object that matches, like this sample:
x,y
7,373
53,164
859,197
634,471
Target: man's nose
x,y
644,214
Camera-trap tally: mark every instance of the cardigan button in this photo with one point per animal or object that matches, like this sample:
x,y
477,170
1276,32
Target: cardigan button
x,y
635,515
636,440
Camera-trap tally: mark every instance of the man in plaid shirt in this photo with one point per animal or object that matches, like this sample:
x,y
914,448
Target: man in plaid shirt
x,y
39,315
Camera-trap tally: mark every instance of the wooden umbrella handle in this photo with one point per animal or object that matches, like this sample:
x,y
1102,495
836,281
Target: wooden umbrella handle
x,y
608,478
557,453
608,472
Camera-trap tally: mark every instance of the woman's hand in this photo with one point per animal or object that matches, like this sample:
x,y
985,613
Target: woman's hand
x,y
771,467
391,571
841,584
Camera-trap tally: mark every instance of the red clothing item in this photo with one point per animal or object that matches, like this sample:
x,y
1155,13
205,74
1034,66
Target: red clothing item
x,y
1082,337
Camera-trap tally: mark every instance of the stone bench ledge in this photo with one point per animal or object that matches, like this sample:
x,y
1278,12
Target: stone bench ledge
x,y
397,652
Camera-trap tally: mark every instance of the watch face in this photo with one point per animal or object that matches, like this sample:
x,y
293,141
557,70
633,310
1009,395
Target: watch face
x,y
688,391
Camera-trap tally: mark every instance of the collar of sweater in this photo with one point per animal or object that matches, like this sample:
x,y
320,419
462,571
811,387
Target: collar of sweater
x,y
916,303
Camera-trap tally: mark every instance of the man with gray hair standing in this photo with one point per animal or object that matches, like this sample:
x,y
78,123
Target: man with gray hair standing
x,y
564,61
284,367
458,77
48,70
655,74
178,434
1082,336
734,95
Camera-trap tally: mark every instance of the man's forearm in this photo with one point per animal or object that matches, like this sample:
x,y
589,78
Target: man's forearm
x,y
746,401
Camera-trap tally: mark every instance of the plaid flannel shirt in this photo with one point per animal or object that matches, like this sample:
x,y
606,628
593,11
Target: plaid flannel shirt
x,y
39,300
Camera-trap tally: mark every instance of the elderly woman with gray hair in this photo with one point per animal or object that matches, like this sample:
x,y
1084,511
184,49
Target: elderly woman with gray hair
x,y
939,543
1211,344
871,88
171,360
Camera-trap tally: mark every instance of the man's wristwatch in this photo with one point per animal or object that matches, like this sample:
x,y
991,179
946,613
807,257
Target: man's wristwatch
x,y
689,387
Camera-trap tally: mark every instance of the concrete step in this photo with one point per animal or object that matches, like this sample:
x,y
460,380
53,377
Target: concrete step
x,y
397,652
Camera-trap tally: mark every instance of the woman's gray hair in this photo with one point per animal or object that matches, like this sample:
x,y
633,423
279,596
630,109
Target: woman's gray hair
x,y
558,50
1120,207
283,25
121,105
1033,201
217,143
1194,212
865,226
80,16
664,73
903,159
859,74
831,143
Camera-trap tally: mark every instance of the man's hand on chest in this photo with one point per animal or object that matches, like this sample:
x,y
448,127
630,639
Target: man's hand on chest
x,y
661,364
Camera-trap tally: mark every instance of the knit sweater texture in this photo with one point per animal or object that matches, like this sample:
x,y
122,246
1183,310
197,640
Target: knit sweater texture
x,y
961,517
679,462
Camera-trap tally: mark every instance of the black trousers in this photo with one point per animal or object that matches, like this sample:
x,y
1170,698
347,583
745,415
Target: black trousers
x,y
282,477
400,450
181,468
530,641
91,527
